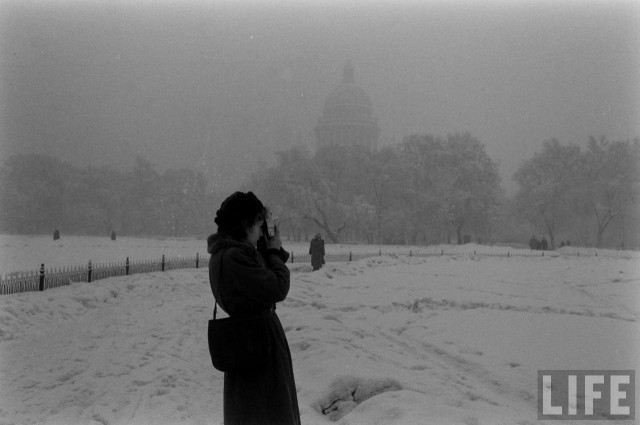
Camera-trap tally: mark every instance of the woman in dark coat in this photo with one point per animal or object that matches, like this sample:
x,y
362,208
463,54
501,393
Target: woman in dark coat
x,y
246,281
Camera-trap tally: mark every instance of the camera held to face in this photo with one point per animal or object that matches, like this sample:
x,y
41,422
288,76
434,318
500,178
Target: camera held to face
x,y
269,226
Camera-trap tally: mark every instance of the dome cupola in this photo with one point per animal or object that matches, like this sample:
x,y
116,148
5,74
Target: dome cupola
x,y
347,117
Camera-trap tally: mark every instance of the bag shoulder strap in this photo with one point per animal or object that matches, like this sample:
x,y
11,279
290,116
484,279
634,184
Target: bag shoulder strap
x,y
215,308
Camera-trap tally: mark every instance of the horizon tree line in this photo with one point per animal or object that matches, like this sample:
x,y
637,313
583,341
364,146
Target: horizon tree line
x,y
425,190
429,189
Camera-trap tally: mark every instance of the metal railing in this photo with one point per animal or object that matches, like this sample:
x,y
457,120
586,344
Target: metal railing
x,y
47,278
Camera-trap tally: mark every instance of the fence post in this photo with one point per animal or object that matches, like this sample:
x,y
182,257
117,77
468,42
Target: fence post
x,y
197,259
163,262
508,254
41,285
409,253
380,253
350,256
126,267
89,272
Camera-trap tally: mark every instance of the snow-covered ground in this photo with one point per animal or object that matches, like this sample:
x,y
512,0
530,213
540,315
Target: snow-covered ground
x,y
383,340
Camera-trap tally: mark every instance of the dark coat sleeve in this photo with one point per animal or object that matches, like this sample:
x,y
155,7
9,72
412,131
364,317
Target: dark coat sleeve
x,y
253,280
262,249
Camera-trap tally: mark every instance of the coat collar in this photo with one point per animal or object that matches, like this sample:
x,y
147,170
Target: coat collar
x,y
220,242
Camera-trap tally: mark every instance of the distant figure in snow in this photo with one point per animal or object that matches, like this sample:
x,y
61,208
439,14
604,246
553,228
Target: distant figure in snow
x,y
533,243
316,250
543,244
56,235
113,235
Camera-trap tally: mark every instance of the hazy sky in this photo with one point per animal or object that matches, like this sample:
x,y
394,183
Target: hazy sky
x,y
218,85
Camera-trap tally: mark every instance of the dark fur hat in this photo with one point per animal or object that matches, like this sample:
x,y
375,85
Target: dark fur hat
x,y
238,212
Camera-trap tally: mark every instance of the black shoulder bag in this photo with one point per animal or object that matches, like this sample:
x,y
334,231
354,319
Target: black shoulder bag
x,y
239,343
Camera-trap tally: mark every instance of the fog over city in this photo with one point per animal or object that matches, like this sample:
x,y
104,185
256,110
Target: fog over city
x,y
491,237
220,86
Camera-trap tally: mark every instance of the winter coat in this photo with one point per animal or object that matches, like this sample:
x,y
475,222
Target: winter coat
x,y
544,244
316,250
244,281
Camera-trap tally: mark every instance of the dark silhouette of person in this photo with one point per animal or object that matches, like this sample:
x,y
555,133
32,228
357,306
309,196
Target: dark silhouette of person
x,y
533,243
543,244
246,281
316,250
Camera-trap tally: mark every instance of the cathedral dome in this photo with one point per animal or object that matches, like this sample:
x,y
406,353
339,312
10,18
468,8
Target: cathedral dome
x,y
348,94
347,117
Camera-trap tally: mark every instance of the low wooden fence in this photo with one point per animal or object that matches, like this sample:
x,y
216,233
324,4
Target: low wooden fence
x,y
47,278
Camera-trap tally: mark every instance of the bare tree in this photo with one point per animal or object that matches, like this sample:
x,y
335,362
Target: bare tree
x,y
548,182
610,180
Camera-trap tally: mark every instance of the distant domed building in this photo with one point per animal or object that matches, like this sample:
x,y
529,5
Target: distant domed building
x,y
347,117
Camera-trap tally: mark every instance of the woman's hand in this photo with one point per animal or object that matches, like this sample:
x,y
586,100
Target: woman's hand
x,y
275,242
